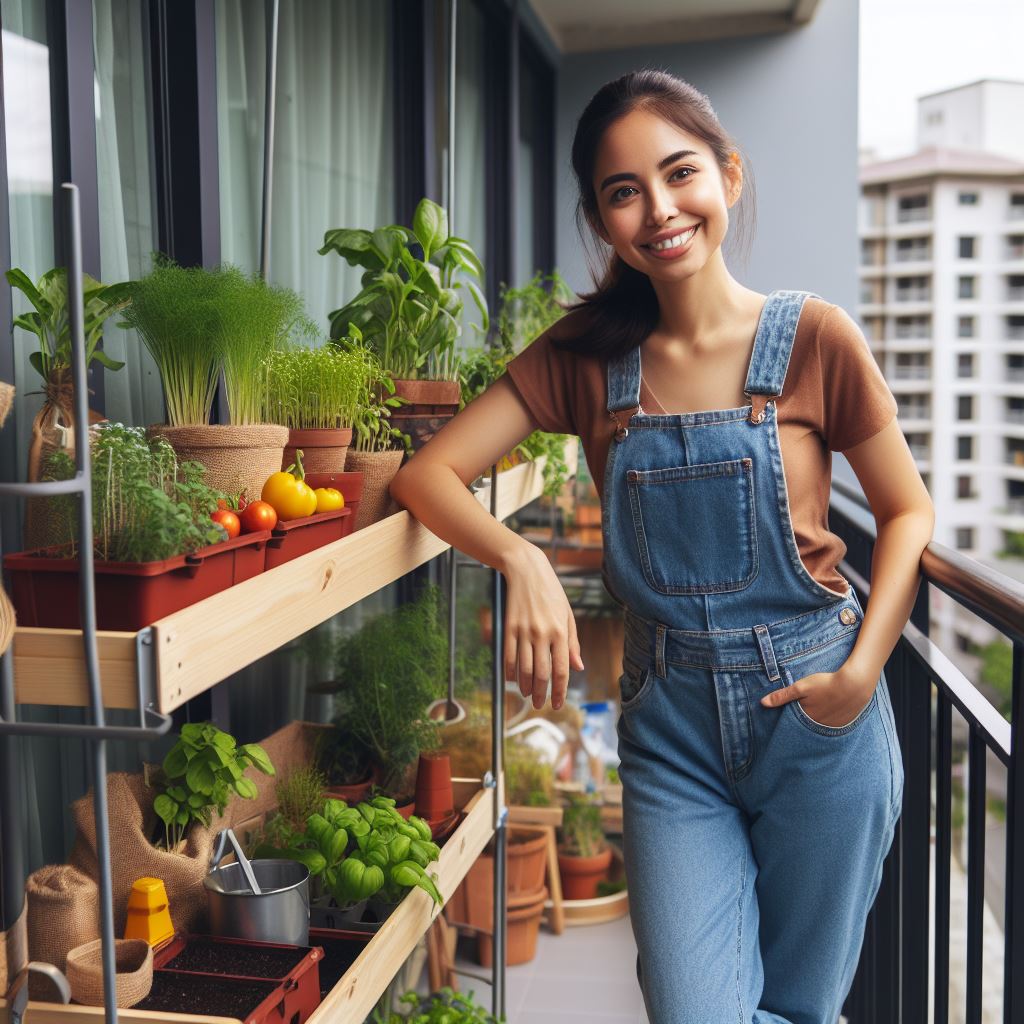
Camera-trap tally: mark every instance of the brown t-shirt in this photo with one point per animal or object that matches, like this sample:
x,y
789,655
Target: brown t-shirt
x,y
834,397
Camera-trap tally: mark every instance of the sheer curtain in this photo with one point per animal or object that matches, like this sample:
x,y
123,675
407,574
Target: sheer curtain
x,y
333,153
469,208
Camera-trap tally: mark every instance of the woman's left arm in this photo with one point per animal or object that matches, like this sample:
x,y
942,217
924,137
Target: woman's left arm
x,y
905,518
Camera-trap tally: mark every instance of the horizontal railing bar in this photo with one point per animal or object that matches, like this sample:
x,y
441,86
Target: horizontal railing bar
x,y
43,489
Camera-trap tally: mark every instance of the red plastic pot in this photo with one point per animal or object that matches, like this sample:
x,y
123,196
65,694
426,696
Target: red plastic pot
x,y
129,595
285,987
300,536
351,487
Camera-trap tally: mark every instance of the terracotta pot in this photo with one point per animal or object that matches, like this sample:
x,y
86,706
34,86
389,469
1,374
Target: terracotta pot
x,y
323,451
434,798
407,809
524,913
580,875
431,403
352,794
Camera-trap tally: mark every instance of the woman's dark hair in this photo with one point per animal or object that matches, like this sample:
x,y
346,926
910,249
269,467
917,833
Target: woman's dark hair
x,y
623,309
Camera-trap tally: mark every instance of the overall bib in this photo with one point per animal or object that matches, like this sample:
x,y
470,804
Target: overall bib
x,y
753,836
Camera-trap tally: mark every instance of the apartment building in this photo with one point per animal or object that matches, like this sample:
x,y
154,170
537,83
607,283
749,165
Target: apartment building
x,y
942,305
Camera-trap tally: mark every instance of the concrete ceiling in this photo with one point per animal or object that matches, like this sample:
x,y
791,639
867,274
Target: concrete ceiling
x,y
582,26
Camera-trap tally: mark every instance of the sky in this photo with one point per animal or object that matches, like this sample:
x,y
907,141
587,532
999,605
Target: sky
x,y
909,48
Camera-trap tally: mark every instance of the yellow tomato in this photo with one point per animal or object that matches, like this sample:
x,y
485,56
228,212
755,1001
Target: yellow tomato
x,y
328,499
289,494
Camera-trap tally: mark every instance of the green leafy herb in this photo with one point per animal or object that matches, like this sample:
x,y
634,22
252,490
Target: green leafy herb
x,y
318,388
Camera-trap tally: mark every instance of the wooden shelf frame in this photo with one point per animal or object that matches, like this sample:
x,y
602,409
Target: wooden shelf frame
x,y
357,992
191,651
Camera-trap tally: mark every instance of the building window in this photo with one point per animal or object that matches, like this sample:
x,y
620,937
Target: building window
x,y
910,249
1015,328
1015,247
1017,206
965,287
1015,367
966,247
965,326
968,198
964,487
964,448
912,208
964,538
965,364
913,289
913,327
965,407
1015,287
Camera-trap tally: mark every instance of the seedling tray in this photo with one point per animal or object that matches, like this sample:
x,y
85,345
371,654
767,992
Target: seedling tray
x,y
351,486
300,536
285,980
129,595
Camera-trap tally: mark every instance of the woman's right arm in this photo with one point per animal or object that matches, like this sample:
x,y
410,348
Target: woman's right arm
x,y
540,629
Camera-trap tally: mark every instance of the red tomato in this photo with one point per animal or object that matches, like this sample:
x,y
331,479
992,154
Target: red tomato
x,y
228,520
258,515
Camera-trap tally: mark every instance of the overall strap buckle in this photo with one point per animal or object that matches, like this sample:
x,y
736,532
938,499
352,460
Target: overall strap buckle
x,y
757,408
621,429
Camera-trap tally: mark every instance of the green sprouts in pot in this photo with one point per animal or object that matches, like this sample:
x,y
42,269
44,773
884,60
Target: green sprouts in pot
x,y
318,388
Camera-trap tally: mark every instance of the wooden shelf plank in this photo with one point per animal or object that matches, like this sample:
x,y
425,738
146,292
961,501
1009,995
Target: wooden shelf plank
x,y
199,646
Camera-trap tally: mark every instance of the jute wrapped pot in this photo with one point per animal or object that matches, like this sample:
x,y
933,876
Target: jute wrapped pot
x,y
133,856
63,907
378,469
236,458
133,965
13,951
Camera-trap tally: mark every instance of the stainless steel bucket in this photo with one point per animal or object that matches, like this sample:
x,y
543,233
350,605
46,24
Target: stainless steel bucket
x,y
279,914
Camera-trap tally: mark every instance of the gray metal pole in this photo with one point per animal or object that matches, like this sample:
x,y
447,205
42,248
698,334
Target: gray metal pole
x,y
497,765
453,22
269,106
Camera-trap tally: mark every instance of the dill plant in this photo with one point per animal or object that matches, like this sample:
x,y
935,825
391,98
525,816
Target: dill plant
x,y
146,505
316,388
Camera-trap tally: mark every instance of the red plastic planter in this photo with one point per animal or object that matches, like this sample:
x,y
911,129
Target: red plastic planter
x,y
351,487
284,980
129,595
300,536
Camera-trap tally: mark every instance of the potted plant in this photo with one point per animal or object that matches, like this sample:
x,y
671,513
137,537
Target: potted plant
x,y
409,309
200,773
345,764
156,546
197,325
445,1006
378,446
584,855
54,425
315,393
523,315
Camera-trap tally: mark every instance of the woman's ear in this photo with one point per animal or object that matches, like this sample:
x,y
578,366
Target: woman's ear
x,y
732,179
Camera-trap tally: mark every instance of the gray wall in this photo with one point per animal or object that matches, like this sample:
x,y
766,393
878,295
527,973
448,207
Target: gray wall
x,y
790,101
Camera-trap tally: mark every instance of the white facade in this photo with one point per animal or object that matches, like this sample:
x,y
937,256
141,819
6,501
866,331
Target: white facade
x,y
942,304
984,117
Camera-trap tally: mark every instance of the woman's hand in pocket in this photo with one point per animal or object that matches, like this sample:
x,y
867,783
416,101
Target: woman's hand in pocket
x,y
540,629
832,699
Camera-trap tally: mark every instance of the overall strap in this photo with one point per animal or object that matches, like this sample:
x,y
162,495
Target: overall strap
x,y
773,343
623,389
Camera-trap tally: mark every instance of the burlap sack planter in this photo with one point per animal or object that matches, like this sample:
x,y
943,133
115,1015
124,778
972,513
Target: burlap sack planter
x,y
129,595
63,911
133,856
430,404
378,469
323,450
133,959
236,458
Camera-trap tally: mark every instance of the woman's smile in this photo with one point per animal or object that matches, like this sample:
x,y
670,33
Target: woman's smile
x,y
673,247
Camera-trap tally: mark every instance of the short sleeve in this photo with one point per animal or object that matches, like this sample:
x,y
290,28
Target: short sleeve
x,y
546,379
856,398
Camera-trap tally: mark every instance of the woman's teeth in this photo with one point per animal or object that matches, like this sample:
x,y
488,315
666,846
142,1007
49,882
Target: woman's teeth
x,y
673,243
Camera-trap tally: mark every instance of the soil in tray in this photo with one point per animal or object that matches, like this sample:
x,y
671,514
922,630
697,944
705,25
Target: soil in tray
x,y
210,997
227,958
339,956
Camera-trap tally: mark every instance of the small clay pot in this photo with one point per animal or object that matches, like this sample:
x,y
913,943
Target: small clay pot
x,y
580,875
434,799
323,450
524,913
353,793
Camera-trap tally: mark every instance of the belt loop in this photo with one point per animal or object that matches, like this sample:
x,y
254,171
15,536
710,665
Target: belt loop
x,y
659,651
764,642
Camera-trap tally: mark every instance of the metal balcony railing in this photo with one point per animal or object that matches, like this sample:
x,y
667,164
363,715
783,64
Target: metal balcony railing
x,y
903,977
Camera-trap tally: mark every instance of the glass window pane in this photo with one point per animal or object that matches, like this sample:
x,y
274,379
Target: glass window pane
x,y
127,228
26,69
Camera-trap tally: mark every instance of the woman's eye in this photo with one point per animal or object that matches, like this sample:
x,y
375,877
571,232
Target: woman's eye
x,y
617,196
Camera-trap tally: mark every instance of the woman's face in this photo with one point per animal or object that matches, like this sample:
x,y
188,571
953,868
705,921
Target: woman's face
x,y
654,180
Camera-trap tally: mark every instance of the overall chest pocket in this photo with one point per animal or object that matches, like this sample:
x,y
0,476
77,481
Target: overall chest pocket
x,y
695,526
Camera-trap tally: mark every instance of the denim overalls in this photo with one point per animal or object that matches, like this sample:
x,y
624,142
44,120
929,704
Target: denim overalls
x,y
753,837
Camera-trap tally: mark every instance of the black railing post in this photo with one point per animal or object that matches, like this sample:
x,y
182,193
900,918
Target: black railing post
x,y
1013,967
